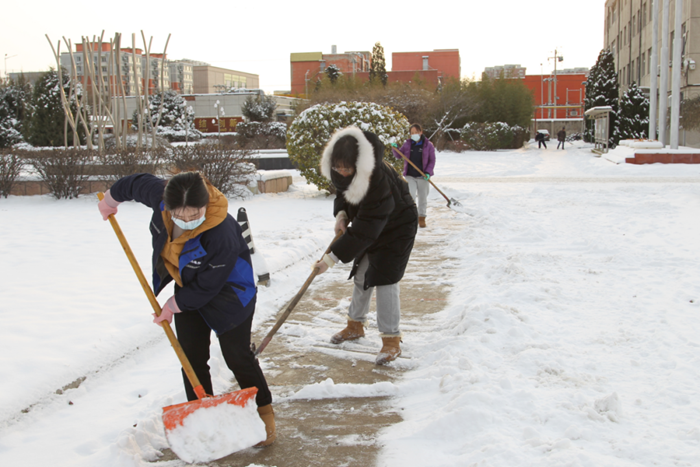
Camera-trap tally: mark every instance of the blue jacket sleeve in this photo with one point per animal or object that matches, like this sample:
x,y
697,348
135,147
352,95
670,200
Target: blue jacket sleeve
x,y
145,188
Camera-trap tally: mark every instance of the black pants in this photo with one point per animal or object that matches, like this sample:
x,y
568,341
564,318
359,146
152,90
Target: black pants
x,y
195,338
540,143
561,143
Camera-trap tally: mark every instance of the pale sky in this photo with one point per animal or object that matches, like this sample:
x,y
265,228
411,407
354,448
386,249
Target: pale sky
x,y
257,37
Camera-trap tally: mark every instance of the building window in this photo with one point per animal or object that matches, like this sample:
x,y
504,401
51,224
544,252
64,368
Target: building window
x,y
624,36
633,29
644,64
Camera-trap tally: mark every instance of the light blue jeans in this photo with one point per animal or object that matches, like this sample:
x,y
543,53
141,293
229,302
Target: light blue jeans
x,y
388,303
420,186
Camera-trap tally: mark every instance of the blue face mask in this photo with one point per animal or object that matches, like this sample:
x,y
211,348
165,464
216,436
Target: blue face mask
x,y
191,225
415,138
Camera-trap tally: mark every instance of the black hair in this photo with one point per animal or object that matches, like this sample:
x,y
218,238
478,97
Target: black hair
x,y
186,190
417,127
345,152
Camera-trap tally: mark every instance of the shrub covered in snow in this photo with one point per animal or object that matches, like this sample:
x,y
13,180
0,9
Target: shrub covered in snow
x,y
260,108
492,136
310,131
259,135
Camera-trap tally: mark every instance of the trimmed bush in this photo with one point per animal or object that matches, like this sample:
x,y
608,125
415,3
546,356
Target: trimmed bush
x,y
118,164
64,171
258,135
229,170
492,136
10,167
311,130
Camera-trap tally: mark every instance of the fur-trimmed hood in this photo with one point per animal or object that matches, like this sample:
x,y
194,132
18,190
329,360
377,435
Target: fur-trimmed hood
x,y
366,162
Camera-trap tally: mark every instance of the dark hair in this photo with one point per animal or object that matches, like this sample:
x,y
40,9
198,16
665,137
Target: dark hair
x,y
345,152
186,189
417,127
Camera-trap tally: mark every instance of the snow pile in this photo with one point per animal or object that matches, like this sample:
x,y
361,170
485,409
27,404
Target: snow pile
x,y
329,390
214,432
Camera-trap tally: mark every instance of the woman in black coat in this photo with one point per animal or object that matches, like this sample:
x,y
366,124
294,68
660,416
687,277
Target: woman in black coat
x,y
379,220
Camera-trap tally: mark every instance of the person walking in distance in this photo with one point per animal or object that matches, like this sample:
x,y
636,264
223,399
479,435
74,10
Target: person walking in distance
x,y
378,218
540,138
200,247
422,153
561,136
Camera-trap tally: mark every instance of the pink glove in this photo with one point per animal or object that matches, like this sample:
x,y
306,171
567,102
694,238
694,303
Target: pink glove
x,y
166,314
107,206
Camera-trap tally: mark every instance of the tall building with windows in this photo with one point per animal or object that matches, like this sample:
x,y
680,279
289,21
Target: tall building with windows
x,y
628,34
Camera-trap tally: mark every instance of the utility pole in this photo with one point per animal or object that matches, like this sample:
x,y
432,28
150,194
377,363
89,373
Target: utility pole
x,y
557,58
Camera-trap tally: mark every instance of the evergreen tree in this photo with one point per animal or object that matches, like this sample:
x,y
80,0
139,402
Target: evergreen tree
x,y
15,108
633,119
46,124
377,69
176,114
602,89
333,73
259,109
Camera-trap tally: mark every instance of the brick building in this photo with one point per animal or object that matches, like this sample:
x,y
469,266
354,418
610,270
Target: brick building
x,y
570,90
431,67
505,71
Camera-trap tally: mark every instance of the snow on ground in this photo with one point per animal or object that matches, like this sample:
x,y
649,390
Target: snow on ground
x,y
571,336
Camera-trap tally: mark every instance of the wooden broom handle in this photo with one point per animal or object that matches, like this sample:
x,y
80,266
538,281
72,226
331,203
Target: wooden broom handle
x,y
420,172
189,371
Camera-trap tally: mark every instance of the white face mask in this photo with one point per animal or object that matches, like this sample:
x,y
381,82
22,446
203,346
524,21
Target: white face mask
x,y
415,137
191,225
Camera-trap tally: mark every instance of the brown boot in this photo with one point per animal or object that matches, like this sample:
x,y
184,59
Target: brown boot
x,y
421,222
354,330
390,350
268,416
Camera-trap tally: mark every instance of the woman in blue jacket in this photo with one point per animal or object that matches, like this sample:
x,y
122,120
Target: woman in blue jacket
x,y
197,244
421,152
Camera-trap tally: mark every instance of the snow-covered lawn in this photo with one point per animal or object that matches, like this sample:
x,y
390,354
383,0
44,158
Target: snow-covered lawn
x,y
571,337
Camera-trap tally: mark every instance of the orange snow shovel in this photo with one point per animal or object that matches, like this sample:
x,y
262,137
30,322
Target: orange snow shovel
x,y
291,305
174,415
450,201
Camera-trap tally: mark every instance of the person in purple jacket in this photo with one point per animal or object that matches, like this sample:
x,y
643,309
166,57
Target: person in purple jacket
x,y
422,153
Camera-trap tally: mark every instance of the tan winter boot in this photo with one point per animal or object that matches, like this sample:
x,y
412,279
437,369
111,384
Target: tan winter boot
x,y
354,330
268,416
390,350
421,222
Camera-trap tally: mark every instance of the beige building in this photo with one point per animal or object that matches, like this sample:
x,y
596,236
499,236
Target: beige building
x,y
210,79
628,34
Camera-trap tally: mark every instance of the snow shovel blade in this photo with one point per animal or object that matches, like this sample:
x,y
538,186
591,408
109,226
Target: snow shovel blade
x,y
174,415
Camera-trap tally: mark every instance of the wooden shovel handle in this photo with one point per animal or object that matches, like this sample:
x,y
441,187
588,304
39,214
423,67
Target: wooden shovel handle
x,y
189,371
420,172
293,303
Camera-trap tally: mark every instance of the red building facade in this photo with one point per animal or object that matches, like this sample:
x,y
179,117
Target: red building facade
x,y
570,91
